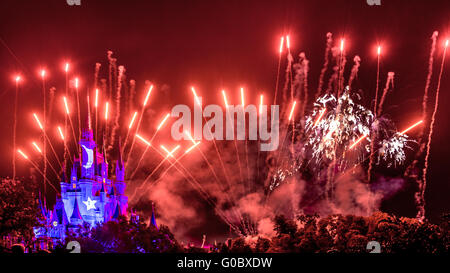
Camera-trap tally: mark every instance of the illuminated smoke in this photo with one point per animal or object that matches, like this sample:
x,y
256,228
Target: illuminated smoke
x,y
355,68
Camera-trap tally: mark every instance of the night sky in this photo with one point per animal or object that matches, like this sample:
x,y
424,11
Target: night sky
x,y
214,44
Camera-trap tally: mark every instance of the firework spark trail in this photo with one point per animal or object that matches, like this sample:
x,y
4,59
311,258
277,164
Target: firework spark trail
x,y
78,109
111,64
71,124
389,81
421,142
291,60
128,131
197,186
342,62
96,72
144,104
278,71
378,81
66,70
410,127
259,141
305,69
355,68
39,150
17,79
237,152
205,195
44,129
372,131
227,178
37,169
132,94
325,64
51,103
117,109
430,73
54,152
161,124
89,112
195,144
246,142
421,212
319,118
66,150
357,141
215,144
157,167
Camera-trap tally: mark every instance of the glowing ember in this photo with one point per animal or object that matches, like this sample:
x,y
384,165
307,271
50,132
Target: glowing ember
x,y
190,137
170,153
192,147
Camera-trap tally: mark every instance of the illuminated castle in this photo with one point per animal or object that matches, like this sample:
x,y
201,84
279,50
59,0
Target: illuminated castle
x,y
88,195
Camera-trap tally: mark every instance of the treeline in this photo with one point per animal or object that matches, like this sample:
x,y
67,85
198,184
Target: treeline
x,y
347,234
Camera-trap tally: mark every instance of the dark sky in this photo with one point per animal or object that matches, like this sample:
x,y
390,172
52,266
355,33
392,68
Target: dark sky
x,y
215,44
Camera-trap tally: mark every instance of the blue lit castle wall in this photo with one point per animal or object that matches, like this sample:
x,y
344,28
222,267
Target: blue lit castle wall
x,y
88,195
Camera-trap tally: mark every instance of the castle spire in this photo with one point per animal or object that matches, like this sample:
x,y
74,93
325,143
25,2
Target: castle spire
x,y
76,215
153,218
116,212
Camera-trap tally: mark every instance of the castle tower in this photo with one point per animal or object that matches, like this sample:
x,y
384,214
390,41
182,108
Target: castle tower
x,y
88,195
87,145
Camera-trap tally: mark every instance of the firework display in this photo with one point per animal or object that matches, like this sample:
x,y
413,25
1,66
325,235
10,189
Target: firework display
x,y
315,142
